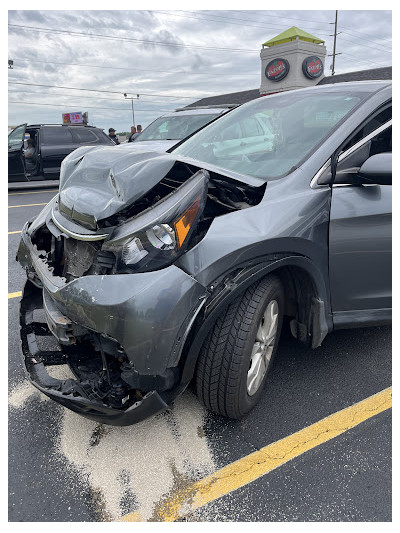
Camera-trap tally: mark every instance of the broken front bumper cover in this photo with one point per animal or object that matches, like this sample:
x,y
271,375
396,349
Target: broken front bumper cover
x,y
68,392
149,315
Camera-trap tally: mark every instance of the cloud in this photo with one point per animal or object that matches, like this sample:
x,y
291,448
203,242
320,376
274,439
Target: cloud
x,y
163,69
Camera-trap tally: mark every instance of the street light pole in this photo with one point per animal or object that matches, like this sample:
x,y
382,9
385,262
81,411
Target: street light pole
x,y
132,98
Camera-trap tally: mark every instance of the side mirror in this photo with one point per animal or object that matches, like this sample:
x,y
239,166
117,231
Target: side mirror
x,y
377,169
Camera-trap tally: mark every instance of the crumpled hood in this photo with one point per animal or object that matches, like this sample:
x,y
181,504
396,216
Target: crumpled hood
x,y
97,182
154,146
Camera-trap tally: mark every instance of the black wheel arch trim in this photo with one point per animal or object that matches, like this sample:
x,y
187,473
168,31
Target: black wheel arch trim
x,y
236,281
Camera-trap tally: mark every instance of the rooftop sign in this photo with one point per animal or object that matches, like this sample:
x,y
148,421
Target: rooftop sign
x,y
277,69
312,67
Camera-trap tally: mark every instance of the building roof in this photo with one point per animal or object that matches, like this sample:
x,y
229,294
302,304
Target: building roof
x,y
384,73
292,34
230,98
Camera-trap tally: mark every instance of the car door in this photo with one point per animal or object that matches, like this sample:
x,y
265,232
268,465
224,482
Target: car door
x,y
16,163
360,232
55,144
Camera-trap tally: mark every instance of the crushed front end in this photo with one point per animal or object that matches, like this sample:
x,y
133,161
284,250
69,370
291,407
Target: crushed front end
x,y
108,291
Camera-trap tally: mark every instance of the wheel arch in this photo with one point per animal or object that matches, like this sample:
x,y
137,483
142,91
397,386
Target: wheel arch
x,y
306,300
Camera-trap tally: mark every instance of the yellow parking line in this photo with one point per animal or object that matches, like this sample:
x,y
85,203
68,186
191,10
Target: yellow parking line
x,y
11,232
26,205
14,294
31,192
257,464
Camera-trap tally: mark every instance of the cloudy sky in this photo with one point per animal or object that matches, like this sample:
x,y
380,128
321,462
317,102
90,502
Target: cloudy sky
x,y
169,57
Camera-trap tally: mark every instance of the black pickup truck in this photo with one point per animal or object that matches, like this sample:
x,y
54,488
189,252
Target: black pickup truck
x,y
52,142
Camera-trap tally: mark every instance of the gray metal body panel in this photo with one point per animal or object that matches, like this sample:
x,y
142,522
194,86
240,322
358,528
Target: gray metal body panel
x,y
360,246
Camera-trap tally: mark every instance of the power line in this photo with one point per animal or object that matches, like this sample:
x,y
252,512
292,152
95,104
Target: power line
x,y
126,39
322,22
228,19
363,61
186,72
369,41
103,91
70,95
88,107
366,45
287,18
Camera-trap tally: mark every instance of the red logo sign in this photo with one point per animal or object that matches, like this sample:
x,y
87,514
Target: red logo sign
x,y
277,69
313,67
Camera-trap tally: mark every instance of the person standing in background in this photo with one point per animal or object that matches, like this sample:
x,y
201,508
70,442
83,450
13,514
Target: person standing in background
x,y
113,137
133,134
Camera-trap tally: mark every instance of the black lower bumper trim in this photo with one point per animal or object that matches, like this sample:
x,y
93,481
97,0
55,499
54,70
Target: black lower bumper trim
x,y
66,392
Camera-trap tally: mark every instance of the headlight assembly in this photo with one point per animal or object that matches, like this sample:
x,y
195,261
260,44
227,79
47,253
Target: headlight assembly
x,y
157,236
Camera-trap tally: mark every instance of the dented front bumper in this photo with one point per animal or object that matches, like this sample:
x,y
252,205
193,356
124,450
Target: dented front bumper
x,y
148,315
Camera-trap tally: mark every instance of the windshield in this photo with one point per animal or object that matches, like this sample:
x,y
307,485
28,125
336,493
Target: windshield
x,y
174,127
267,137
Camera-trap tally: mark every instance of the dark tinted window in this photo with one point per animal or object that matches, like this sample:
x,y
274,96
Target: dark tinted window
x,y
381,143
56,135
381,118
350,165
84,135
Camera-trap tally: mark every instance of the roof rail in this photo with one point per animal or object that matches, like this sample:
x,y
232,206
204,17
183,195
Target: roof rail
x,y
65,125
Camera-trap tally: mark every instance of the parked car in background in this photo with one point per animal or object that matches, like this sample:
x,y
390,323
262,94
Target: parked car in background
x,y
52,143
168,130
180,266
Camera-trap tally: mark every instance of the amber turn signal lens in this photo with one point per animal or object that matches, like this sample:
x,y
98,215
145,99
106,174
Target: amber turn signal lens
x,y
185,222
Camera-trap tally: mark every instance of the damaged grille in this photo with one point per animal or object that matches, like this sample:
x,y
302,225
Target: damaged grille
x,y
79,257
71,258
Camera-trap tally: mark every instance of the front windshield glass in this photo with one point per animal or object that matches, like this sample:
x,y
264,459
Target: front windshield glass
x,y
174,128
267,137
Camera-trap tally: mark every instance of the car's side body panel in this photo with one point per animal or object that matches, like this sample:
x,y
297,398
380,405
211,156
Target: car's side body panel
x,y
360,246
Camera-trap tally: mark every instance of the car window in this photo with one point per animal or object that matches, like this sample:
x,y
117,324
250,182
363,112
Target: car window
x,y
56,135
16,136
349,164
174,127
84,135
296,123
380,118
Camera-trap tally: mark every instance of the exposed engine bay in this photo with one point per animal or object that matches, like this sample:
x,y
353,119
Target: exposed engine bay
x,y
72,246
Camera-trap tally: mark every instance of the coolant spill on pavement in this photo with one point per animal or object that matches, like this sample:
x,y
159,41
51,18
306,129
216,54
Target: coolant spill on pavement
x,y
132,468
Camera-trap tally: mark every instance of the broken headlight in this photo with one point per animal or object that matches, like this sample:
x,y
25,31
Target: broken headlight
x,y
157,236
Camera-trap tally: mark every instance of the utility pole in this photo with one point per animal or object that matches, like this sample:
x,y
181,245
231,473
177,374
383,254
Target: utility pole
x,y
334,44
133,111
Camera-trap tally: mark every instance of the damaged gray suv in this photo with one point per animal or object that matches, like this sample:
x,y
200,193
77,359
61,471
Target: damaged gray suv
x,y
152,270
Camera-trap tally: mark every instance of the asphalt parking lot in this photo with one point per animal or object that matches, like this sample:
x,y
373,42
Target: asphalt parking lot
x,y
63,467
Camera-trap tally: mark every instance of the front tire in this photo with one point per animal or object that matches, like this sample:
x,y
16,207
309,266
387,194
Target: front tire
x,y
238,352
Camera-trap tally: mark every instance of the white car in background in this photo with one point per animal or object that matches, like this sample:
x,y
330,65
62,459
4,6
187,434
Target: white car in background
x,y
169,129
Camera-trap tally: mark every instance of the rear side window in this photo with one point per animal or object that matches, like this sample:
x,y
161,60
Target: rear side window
x,y
57,136
85,135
